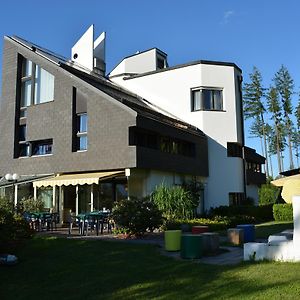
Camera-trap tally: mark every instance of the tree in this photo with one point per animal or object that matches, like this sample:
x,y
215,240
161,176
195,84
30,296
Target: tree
x,y
254,107
277,142
269,134
285,87
296,133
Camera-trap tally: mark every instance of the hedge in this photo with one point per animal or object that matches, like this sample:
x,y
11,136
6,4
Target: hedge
x,y
283,212
216,223
259,213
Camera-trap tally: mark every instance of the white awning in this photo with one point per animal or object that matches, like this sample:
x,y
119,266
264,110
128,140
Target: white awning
x,y
76,179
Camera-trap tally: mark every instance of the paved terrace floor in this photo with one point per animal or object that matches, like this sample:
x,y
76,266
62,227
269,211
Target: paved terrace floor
x,y
227,255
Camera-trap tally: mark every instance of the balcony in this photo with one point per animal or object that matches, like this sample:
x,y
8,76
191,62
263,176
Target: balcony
x,y
255,177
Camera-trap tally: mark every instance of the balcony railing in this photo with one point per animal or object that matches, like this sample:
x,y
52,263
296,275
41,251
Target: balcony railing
x,y
255,177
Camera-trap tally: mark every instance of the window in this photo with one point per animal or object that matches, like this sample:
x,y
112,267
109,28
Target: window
x,y
42,147
144,138
160,63
37,86
207,99
255,167
236,199
234,150
82,132
22,133
24,149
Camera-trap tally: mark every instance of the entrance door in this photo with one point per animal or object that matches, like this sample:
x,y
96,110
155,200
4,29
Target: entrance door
x,y
84,198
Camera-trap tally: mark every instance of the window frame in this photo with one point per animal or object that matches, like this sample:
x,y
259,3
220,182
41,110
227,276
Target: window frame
x,y
31,78
202,108
80,134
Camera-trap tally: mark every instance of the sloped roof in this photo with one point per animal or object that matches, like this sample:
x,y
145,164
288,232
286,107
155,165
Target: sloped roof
x,y
140,105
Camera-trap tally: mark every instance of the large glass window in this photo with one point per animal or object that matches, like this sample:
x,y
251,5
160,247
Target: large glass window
x,y
44,86
37,85
46,195
82,140
43,147
207,99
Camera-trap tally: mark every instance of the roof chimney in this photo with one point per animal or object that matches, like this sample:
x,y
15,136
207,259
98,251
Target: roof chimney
x,y
90,53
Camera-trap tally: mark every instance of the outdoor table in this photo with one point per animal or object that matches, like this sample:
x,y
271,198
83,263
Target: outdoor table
x,y
94,219
40,219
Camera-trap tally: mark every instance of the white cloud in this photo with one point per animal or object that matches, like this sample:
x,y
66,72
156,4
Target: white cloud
x,y
226,16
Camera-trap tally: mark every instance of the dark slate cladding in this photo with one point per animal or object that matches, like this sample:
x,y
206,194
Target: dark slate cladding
x,y
131,100
151,158
111,110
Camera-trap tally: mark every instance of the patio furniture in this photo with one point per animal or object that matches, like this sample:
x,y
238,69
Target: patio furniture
x,y
210,242
172,240
191,246
235,236
249,232
199,229
96,220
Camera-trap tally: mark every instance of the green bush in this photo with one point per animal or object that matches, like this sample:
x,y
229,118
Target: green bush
x,y
174,202
136,216
259,213
268,194
12,228
283,212
216,223
6,204
31,205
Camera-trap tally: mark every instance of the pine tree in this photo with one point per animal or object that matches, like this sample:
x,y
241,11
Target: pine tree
x,y
254,107
277,140
296,133
269,134
285,87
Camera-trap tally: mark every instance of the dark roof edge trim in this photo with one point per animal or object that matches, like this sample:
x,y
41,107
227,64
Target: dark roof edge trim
x,y
198,62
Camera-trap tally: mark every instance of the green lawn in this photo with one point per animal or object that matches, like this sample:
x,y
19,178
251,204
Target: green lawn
x,y
74,269
265,229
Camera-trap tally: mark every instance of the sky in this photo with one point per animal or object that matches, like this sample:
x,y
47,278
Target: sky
x,y
264,33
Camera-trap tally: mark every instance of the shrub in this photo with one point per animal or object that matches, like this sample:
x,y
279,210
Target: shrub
x,y
283,212
268,194
12,228
174,202
31,205
6,204
137,215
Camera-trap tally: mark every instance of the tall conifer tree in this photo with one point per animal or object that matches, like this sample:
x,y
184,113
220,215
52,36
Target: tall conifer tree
x,y
254,107
277,141
285,87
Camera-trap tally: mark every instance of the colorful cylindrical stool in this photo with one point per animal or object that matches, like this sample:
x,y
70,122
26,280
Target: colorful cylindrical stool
x,y
172,240
191,246
199,229
249,232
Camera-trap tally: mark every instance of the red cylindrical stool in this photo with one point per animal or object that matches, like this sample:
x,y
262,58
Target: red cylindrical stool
x,y
199,229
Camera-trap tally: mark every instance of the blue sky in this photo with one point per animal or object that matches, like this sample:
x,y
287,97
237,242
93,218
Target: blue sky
x,y
258,32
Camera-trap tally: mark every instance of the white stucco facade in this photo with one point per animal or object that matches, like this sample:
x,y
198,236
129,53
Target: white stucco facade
x,y
171,89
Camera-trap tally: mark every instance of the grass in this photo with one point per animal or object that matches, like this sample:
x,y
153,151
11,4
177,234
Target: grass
x,y
265,229
52,268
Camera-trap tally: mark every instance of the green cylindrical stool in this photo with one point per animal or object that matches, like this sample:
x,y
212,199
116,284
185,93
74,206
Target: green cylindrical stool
x,y
172,240
191,246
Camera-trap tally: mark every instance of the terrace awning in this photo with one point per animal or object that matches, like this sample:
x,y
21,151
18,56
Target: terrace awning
x,y
76,179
